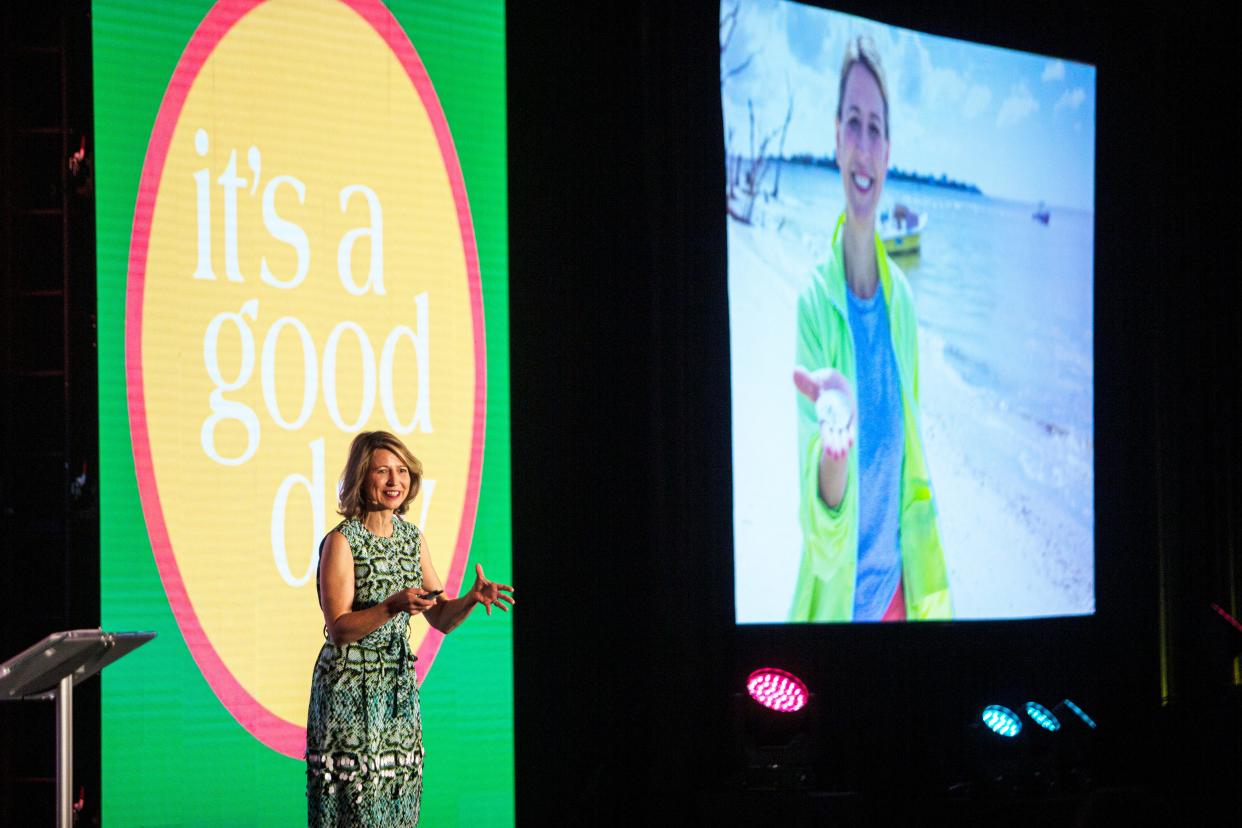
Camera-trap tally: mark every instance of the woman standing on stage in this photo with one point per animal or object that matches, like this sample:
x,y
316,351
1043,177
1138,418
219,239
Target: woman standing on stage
x,y
364,739
871,547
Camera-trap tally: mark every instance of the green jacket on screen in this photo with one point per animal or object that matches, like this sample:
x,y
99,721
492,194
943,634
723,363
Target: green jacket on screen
x,y
827,575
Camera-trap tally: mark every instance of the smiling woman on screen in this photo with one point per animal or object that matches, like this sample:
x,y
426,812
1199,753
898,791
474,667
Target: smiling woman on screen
x,y
870,544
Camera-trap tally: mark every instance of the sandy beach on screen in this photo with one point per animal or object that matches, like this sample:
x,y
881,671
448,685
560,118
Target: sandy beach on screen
x,y
1011,549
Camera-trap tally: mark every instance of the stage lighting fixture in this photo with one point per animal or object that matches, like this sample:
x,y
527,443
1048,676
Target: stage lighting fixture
x,y
777,689
1066,704
777,731
1043,717
997,750
1054,754
1002,721
1076,748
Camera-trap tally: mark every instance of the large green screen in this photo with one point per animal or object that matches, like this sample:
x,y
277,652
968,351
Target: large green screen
x,y
302,235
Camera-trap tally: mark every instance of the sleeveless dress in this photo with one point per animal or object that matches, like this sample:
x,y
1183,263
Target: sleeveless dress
x,y
364,735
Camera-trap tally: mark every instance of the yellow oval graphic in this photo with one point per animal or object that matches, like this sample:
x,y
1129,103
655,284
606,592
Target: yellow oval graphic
x,y
303,268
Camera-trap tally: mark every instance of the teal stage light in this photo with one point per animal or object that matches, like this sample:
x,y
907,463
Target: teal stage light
x,y
1079,712
1002,721
1043,717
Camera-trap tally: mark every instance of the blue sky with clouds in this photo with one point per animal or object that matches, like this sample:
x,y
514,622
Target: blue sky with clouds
x,y
1020,126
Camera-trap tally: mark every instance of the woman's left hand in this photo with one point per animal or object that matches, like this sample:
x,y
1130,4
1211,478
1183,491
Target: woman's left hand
x,y
489,593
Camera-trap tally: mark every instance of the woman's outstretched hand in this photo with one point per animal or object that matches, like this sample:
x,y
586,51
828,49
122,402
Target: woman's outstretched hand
x,y
835,407
489,593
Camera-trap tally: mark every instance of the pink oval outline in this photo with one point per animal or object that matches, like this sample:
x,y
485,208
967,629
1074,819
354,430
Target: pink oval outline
x,y
270,729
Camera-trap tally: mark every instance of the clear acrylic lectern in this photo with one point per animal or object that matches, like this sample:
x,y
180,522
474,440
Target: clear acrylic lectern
x,y
49,670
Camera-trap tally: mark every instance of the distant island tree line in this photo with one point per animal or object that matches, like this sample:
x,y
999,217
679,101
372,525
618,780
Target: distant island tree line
x,y
894,174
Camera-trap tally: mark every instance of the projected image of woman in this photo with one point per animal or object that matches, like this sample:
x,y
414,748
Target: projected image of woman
x,y
364,738
871,548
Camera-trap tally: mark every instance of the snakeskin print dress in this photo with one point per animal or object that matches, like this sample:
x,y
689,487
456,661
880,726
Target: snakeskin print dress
x,y
364,737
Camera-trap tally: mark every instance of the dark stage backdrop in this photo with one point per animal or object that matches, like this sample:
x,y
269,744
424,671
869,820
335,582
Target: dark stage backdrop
x,y
621,437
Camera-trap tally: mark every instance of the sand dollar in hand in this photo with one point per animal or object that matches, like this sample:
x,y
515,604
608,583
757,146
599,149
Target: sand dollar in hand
x,y
836,421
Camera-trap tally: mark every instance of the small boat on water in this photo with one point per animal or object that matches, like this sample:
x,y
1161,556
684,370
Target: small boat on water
x,y
1042,214
902,230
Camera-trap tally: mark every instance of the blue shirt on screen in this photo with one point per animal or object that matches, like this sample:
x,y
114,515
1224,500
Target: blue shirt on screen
x,y
880,450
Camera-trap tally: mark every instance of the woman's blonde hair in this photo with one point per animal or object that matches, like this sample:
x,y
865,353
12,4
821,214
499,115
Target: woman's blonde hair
x,y
861,50
358,466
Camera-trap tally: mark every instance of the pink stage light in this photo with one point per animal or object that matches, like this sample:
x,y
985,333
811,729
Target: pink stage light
x,y
777,689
